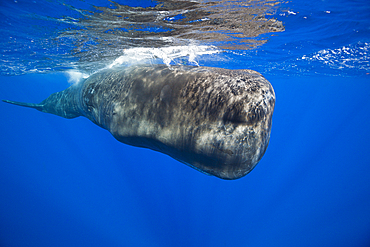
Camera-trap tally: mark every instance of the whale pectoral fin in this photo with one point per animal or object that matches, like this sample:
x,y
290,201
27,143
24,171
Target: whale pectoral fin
x,y
31,105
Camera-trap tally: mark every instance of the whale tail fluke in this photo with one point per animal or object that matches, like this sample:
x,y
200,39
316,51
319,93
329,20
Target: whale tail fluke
x,y
31,105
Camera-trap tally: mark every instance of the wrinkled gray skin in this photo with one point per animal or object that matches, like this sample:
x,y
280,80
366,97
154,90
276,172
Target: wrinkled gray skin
x,y
217,121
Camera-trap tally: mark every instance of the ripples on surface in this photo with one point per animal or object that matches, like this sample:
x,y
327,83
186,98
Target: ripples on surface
x,y
85,36
228,24
66,36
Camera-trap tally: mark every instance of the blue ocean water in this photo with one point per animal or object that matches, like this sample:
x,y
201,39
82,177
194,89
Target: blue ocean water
x,y
70,183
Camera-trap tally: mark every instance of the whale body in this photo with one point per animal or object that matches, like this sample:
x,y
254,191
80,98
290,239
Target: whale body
x,y
215,120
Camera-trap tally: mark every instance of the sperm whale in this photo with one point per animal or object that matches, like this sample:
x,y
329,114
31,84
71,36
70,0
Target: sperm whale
x,y
215,120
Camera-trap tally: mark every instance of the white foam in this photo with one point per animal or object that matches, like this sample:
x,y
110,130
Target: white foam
x,y
351,56
75,76
167,55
